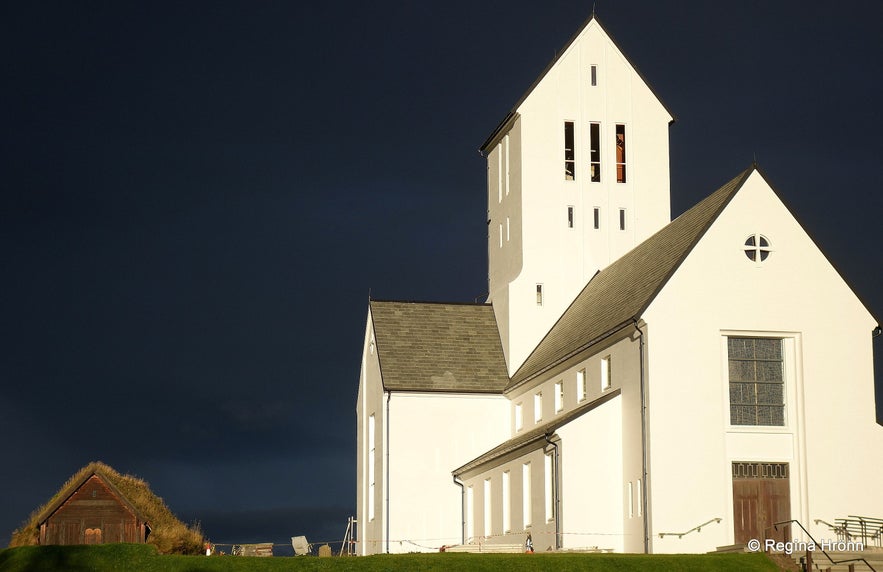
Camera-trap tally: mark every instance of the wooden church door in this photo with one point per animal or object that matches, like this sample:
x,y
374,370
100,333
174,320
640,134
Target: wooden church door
x,y
761,498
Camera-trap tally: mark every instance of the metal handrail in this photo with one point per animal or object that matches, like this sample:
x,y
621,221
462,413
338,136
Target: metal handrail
x,y
876,525
695,528
816,543
833,527
840,531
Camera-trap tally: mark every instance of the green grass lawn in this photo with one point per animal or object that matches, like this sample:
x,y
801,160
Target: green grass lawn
x,y
115,557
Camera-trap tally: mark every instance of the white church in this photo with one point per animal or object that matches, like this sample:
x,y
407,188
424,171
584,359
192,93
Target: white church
x,y
633,383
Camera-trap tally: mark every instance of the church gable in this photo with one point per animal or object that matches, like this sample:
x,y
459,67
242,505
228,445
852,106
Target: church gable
x,y
592,45
757,250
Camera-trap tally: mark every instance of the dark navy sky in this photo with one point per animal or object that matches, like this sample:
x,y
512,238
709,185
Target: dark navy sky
x,y
197,198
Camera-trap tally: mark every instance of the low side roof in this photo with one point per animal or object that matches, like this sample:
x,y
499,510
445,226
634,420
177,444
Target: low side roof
x,y
425,346
620,293
536,434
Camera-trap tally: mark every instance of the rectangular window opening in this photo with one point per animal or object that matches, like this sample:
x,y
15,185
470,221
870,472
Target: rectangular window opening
x,y
596,214
507,229
621,219
519,417
506,148
569,217
487,507
501,235
539,294
372,461
594,73
581,385
569,152
638,498
538,407
559,397
507,513
526,512
500,174
620,153
595,152
605,373
757,381
548,489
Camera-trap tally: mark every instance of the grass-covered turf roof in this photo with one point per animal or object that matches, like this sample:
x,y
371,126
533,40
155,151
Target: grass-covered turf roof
x,y
167,533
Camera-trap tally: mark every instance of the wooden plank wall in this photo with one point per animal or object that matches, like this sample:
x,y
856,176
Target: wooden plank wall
x,y
92,514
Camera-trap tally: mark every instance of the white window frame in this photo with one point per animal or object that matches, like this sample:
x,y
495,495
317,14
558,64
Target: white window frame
x,y
581,385
506,147
372,462
595,153
606,373
507,502
538,407
526,496
792,383
624,178
640,503
500,174
548,488
559,396
488,508
571,161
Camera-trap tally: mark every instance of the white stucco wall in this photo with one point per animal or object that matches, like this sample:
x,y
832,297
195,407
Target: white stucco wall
x,y
430,435
546,250
370,531
830,438
599,453
591,479
530,459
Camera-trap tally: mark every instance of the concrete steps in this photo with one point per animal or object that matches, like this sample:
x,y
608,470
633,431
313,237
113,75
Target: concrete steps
x,y
873,555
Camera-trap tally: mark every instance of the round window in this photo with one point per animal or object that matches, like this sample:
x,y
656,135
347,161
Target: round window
x,y
757,248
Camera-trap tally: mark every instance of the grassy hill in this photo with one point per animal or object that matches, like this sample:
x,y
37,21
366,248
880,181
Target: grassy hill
x,y
144,558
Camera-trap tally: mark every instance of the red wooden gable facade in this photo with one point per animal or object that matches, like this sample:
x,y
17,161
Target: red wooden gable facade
x,y
95,513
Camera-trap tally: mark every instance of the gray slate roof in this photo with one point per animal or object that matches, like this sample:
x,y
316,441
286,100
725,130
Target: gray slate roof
x,y
425,346
620,293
